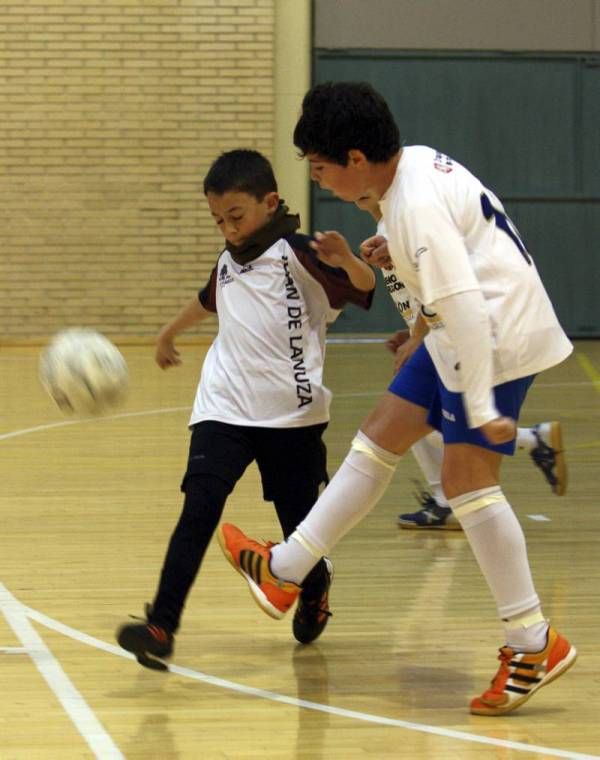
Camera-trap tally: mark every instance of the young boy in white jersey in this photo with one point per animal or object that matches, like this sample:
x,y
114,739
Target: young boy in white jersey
x,y
261,395
491,330
542,441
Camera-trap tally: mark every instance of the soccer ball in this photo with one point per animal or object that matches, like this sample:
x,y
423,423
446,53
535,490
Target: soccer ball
x,y
83,372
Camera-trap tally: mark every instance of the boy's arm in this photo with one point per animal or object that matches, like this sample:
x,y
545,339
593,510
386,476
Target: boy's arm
x,y
166,355
467,323
333,249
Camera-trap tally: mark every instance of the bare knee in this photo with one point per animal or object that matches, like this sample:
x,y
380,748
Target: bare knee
x,y
395,424
468,468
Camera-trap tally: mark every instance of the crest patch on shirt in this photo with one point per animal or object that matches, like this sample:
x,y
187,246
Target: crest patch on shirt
x,y
442,163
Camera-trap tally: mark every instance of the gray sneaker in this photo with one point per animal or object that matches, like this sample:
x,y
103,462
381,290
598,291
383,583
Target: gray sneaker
x,y
431,515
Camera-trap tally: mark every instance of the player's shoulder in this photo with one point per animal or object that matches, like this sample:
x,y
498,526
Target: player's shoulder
x,y
429,177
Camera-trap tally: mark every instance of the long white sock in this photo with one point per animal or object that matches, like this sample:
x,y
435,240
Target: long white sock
x,y
429,453
351,494
498,544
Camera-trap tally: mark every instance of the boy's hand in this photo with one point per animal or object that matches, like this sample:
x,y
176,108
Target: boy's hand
x,y
403,346
166,355
374,251
332,248
394,342
500,430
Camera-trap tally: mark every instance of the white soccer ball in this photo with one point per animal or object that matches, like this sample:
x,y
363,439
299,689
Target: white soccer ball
x,y
83,372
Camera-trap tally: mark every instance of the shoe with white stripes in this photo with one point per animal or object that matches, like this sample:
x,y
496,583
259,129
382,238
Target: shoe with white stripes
x,y
521,674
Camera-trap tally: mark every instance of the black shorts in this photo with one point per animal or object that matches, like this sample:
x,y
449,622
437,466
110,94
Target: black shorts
x,y
292,461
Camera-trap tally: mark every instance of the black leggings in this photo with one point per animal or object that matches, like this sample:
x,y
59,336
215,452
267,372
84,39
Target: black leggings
x,y
227,450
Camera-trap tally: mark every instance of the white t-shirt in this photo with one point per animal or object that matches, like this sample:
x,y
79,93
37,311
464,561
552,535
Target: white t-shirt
x,y
265,367
407,307
448,234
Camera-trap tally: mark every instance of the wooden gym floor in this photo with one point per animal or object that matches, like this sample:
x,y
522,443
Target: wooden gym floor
x,y
87,507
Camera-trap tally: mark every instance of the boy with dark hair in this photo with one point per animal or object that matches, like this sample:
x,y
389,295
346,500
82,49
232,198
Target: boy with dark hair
x,y
261,396
492,329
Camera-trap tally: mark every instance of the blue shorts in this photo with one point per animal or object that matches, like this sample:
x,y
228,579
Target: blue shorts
x,y
418,382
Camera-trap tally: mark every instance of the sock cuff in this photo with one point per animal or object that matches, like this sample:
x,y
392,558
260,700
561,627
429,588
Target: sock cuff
x,y
305,543
473,501
524,620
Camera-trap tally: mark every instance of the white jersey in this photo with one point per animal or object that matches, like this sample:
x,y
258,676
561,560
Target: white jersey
x,y
265,367
448,234
406,305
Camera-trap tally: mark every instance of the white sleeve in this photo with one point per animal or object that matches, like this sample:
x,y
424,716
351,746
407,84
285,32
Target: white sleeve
x,y
466,321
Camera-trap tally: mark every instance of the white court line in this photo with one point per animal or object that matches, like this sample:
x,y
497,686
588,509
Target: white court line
x,y
340,712
59,682
64,423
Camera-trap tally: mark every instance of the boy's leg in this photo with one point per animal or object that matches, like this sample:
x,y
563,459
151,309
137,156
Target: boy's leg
x,y
534,654
471,480
218,456
292,483
274,572
429,454
205,497
396,423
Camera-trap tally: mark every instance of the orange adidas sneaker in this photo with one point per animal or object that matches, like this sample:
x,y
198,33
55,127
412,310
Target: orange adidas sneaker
x,y
521,674
251,559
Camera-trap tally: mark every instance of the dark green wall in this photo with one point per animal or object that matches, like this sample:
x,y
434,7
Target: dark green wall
x,y
527,125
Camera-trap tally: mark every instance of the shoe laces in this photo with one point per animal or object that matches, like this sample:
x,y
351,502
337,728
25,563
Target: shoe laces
x,y
259,545
156,631
147,613
314,607
503,674
424,497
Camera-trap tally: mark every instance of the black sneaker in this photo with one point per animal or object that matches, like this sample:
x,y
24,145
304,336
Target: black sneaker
x,y
148,642
431,515
549,455
312,612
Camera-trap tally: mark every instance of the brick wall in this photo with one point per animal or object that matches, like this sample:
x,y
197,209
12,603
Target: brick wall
x,y
111,114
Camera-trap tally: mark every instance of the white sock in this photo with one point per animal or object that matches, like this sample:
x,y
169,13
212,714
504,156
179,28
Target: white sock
x,y
351,494
291,560
530,637
429,453
498,544
526,438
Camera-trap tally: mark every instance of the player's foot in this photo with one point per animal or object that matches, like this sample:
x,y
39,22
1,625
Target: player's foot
x,y
150,643
431,515
521,674
252,560
312,613
549,455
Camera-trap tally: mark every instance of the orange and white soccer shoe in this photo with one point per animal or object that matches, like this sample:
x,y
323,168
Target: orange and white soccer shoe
x,y
521,674
252,560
